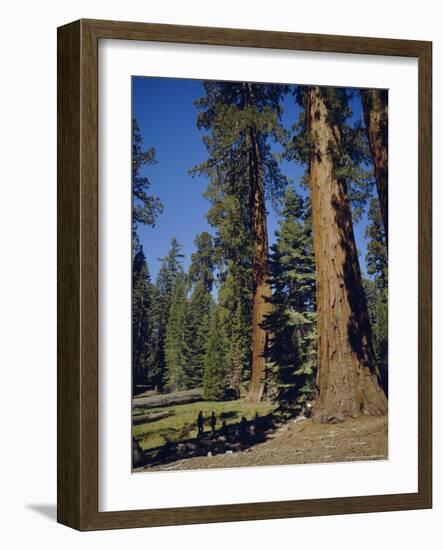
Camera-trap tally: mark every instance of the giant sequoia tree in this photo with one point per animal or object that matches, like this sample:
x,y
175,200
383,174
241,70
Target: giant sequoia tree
x,y
375,110
241,119
348,377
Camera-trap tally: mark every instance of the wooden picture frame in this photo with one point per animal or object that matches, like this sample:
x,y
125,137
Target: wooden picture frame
x,y
78,274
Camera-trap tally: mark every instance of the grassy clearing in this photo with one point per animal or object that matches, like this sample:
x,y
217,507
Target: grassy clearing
x,y
183,424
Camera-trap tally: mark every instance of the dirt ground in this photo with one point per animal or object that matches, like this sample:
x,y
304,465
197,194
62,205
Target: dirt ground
x,y
302,442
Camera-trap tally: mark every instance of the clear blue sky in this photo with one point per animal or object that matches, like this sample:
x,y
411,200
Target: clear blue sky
x,y
165,111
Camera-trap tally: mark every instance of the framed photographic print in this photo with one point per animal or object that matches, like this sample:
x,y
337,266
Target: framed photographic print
x,y
244,275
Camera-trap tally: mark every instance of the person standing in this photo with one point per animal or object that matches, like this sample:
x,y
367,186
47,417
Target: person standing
x,y
200,424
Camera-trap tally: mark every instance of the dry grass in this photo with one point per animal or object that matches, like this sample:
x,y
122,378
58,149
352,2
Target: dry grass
x,y
364,438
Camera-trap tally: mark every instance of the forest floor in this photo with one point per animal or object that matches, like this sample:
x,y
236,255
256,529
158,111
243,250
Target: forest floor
x,y
294,442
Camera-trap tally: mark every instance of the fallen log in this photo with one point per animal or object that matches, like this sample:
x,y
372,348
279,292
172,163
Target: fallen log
x,y
167,399
144,418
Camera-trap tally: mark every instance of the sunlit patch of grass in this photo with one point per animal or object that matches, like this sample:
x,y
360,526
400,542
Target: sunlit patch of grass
x,y
183,423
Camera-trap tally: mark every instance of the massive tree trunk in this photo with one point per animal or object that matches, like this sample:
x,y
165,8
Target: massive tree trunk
x,y
261,289
375,111
348,380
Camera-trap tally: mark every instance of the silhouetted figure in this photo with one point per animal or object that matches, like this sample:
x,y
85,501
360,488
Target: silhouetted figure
x,y
213,423
200,424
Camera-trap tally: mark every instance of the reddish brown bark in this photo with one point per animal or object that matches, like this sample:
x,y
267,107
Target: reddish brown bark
x,y
261,292
348,378
375,111
261,289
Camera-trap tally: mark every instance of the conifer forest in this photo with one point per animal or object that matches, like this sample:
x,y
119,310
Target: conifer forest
x,y
259,274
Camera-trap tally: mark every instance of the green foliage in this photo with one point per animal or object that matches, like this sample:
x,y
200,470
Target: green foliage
x,y
232,114
376,289
196,329
142,324
351,155
228,112
292,323
175,361
145,208
381,332
202,261
171,269
377,256
235,309
215,381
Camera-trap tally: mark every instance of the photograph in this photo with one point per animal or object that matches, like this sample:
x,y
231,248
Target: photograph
x,y
259,274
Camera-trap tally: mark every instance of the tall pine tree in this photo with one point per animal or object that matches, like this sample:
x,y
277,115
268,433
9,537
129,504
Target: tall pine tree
x,y
174,346
197,320
241,119
202,261
292,323
214,379
235,329
170,269
196,331
142,323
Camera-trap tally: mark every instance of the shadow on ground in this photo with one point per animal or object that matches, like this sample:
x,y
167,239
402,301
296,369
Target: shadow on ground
x,y
229,438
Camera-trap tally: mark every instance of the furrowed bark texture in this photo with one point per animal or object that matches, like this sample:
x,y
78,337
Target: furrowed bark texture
x,y
348,380
375,110
261,288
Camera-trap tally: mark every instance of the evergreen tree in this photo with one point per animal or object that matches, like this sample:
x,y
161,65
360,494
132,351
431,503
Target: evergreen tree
x,y
235,321
174,347
214,379
242,119
202,261
292,323
196,331
145,208
142,336
375,111
377,288
171,268
377,256
156,369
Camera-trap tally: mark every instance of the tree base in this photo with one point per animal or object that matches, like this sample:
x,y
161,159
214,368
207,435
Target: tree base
x,y
327,413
